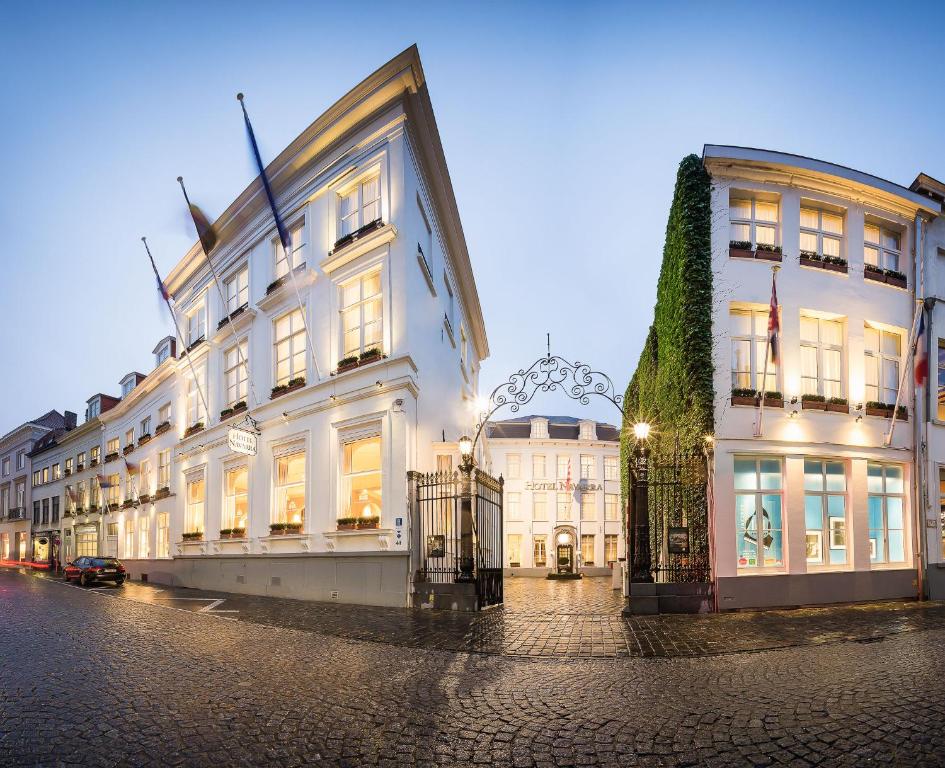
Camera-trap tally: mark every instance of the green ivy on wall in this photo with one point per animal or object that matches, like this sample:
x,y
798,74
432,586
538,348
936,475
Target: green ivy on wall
x,y
672,385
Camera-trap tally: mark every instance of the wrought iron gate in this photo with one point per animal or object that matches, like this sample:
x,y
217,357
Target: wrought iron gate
x,y
459,530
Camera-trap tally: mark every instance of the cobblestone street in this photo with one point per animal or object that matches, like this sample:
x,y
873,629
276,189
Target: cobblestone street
x,y
86,679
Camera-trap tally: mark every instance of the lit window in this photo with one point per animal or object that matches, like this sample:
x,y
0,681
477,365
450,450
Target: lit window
x,y
69,464
589,505
540,554
290,489
610,547
611,471
882,350
297,248
144,478
513,505
444,463
513,463
163,535
234,373
360,205
821,357
130,437
145,426
144,543
821,232
611,506
289,348
515,549
195,410
587,549
129,539
753,221
195,506
362,478
164,469
362,314
95,454
237,291
825,512
540,505
563,503
564,467
114,490
885,487
236,499
164,414
758,529
538,467
110,447
881,246
196,325
587,467
749,333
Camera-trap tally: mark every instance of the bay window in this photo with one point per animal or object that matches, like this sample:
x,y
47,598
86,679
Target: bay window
x,y
359,205
821,357
885,508
753,221
196,501
821,232
362,478
882,351
290,489
236,498
296,250
881,246
289,348
362,314
237,291
749,334
825,515
234,373
758,522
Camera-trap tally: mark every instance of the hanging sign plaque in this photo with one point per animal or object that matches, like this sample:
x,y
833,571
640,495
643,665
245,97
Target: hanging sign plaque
x,y
242,441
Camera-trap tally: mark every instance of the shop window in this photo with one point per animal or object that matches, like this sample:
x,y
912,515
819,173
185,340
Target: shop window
x,y
758,521
825,512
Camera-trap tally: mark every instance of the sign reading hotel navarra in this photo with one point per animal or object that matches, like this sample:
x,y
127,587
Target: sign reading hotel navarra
x,y
242,441
562,485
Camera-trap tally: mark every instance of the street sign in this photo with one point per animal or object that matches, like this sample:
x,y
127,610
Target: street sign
x,y
242,441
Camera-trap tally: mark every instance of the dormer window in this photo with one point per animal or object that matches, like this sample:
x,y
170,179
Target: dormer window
x,y
588,430
163,352
126,386
539,429
296,248
94,409
359,205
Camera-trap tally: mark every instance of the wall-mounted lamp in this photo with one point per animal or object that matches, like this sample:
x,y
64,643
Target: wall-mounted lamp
x,y
466,452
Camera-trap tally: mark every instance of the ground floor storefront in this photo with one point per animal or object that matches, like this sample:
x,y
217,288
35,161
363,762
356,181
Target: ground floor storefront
x,y
15,541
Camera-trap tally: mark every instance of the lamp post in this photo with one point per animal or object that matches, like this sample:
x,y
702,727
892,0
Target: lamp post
x,y
466,465
639,523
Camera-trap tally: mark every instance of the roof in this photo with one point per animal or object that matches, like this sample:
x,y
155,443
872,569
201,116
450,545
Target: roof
x,y
559,428
719,155
49,420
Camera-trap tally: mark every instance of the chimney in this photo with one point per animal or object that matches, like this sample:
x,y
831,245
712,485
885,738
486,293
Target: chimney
x,y
70,419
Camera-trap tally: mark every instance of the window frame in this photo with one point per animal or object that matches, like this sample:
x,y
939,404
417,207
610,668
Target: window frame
x,y
885,495
881,358
820,233
753,222
231,299
294,335
879,247
240,349
758,493
297,252
755,343
820,348
356,215
826,529
358,306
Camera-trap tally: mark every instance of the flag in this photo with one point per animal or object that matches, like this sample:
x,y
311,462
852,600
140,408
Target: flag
x,y
921,353
774,323
132,468
162,289
205,230
280,224
103,481
567,485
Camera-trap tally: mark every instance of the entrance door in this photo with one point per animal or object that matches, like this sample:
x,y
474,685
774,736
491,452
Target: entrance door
x,y
565,558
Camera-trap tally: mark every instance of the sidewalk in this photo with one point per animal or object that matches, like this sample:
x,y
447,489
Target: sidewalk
x,y
552,628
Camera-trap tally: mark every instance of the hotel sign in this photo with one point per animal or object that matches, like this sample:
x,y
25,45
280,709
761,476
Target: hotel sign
x,y
242,441
562,485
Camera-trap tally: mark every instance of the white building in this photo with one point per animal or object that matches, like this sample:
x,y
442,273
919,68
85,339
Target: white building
x,y
385,363
830,501
562,510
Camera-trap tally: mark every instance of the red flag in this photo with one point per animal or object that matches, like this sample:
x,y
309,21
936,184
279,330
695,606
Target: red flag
x,y
774,323
921,354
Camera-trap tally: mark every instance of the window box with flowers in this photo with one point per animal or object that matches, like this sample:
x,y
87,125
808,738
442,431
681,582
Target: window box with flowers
x,y
348,363
283,389
161,428
67,472
145,438
813,402
347,523
838,405
365,358
127,503
884,410
129,448
193,429
768,252
93,508
827,263
144,498
232,533
740,249
79,467
895,278
276,284
748,396
341,242
109,457
872,272
285,529
369,523
162,493
192,536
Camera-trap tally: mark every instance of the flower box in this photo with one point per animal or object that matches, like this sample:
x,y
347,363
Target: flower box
x,y
368,523
162,428
92,463
129,448
768,252
284,529
750,397
895,278
348,364
284,389
341,242
110,457
743,400
144,498
93,508
162,493
192,536
67,472
232,533
835,264
79,467
347,523
740,249
239,407
232,316
145,438
838,405
874,273
195,344
280,281
194,429
813,403
226,413
811,260
369,356
79,511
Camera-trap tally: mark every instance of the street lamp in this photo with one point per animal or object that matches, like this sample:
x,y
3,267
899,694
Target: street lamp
x,y
466,465
466,453
641,430
638,554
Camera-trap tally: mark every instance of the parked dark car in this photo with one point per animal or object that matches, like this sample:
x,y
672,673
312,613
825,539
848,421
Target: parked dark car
x,y
90,570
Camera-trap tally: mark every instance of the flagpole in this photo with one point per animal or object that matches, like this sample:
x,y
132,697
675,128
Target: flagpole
x,y
280,226
910,353
764,378
180,336
216,280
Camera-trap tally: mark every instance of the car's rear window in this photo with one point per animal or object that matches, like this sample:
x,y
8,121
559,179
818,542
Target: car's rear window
x,y
104,562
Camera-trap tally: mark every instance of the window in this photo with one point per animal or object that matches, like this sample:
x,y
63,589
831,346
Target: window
x,y
80,459
825,512
749,342
753,221
587,549
885,487
289,353
538,467
114,490
144,545
163,535
144,477
163,353
45,474
45,511
164,469
513,463
69,465
93,410
821,232
821,357
539,429
237,291
130,437
145,426
6,466
882,352
589,505
611,471
361,314
360,205
130,492
110,447
611,506
37,478
515,549
564,506
56,471
195,505
297,248
164,414
610,547
195,410
290,488
196,325
564,468
36,512
587,467
96,454
127,387
881,246
540,505
444,463
82,494
758,526
236,498
941,382
129,538
540,551
20,459
234,373
362,477
55,509
513,505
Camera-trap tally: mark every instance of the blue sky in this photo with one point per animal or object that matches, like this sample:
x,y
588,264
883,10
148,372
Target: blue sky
x,y
563,125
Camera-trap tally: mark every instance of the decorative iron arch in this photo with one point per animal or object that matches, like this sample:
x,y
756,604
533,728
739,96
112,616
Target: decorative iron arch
x,y
550,373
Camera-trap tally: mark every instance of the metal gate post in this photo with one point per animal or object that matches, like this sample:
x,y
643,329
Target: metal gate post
x,y
642,562
466,544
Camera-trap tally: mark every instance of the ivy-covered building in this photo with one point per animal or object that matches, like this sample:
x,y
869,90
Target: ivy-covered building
x,y
816,494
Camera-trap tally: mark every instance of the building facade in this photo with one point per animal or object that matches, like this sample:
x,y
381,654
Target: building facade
x,y
815,501
562,511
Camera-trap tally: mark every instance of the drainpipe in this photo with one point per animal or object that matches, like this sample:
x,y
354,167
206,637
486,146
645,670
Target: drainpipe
x,y
920,538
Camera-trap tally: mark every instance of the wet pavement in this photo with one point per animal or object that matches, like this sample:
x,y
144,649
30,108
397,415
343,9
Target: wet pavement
x,y
86,679
543,618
